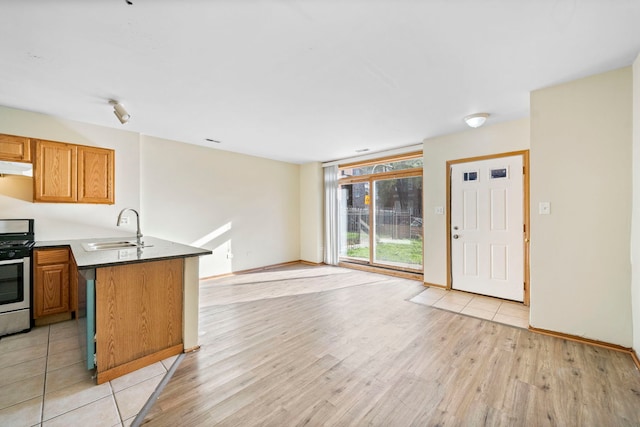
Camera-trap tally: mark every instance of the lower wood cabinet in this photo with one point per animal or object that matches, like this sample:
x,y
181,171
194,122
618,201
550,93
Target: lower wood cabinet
x,y
73,285
51,284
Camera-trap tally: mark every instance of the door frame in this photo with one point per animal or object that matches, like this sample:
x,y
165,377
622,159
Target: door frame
x,y
526,212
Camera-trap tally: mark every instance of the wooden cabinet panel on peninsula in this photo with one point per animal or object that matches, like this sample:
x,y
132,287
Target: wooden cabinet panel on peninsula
x,y
138,312
15,148
68,173
51,290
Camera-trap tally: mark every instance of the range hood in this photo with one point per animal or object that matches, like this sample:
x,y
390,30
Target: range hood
x,y
16,168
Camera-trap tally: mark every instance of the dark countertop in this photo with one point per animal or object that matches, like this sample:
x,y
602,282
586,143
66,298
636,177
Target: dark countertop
x,y
154,250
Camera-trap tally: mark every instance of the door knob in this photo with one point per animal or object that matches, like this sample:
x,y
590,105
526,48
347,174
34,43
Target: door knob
x,y
455,236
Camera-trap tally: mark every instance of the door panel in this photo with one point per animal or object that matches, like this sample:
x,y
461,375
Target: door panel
x,y
470,260
487,217
499,262
498,209
470,212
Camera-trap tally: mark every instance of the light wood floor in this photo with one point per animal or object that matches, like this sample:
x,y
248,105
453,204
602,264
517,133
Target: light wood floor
x,y
357,352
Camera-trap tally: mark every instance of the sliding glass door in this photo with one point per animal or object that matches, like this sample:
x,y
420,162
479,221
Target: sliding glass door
x,y
354,221
381,214
398,222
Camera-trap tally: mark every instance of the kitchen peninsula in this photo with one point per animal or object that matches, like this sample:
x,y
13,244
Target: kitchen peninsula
x,y
141,302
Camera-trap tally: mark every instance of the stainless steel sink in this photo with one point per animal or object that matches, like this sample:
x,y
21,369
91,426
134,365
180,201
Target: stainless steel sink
x,y
106,246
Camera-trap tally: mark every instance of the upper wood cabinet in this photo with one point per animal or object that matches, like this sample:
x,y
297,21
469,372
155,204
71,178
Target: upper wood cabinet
x,y
15,148
55,172
68,173
95,175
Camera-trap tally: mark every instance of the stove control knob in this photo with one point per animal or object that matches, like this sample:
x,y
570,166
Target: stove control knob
x,y
11,254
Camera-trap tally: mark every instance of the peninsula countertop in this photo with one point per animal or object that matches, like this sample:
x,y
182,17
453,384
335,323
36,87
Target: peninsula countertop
x,y
154,249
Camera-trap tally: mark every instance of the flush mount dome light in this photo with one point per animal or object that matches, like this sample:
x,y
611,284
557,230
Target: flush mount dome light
x,y
476,120
121,113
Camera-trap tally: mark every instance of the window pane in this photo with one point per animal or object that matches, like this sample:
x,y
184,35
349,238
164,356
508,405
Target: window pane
x,y
398,222
382,167
354,221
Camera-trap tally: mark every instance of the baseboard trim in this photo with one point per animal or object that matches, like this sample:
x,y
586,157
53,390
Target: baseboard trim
x,y
53,318
192,349
583,340
634,356
315,264
255,270
371,269
134,365
434,285
379,270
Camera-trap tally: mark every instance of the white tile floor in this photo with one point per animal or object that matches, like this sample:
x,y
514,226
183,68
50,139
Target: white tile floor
x,y
501,311
44,382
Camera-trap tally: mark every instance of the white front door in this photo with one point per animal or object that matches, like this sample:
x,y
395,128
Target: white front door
x,y
487,227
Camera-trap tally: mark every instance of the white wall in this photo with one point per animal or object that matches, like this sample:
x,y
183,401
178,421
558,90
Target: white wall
x,y
227,202
635,233
311,212
55,221
581,162
489,139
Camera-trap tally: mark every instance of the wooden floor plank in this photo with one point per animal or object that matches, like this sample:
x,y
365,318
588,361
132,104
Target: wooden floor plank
x,y
319,345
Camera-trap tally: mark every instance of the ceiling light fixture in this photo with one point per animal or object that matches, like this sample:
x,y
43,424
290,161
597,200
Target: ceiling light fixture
x,y
121,113
476,120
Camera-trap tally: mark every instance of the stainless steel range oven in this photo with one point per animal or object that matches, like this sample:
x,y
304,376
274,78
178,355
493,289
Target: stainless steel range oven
x,y
16,242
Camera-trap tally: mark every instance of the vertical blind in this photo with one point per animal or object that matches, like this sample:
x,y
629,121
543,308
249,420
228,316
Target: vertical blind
x,y
331,204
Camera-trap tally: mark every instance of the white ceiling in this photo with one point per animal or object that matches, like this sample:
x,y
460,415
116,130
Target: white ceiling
x,y
303,80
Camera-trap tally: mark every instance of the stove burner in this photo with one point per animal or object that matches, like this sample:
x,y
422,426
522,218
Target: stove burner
x,y
16,238
15,243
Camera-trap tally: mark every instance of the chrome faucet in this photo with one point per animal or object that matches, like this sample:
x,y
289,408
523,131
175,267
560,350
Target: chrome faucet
x,y
138,232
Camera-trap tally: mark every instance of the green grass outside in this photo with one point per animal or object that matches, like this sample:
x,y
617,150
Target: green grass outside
x,y
392,252
353,235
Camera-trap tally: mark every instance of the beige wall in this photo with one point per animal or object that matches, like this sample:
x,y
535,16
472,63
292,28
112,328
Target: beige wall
x,y
581,163
246,209
311,212
230,203
492,139
635,234
66,220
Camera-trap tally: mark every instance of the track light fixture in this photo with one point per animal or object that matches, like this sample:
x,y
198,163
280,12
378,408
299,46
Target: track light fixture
x,y
121,113
476,120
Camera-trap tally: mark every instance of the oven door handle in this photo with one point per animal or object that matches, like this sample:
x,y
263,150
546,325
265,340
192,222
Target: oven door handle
x,y
13,261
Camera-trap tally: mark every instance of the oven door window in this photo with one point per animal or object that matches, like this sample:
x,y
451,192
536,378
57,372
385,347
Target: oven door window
x,y
11,283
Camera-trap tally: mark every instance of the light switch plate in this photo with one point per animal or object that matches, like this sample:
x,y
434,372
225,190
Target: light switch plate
x,y
544,208
439,210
